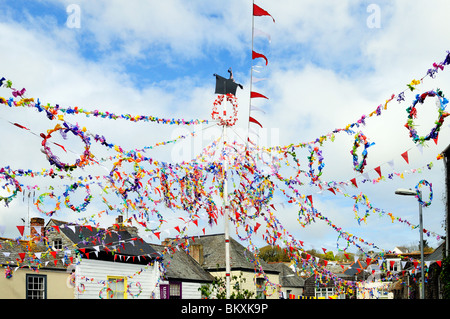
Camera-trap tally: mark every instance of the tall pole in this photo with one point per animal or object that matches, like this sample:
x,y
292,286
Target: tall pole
x,y
226,217
422,272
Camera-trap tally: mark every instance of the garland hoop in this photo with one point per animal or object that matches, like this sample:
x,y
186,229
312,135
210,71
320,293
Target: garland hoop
x,y
86,201
418,193
54,160
216,115
39,201
360,139
412,114
10,180
320,164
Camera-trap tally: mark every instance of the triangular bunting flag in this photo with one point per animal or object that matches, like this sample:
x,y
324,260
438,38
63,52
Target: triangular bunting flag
x,y
378,170
258,11
256,55
405,157
22,256
21,229
256,94
251,119
354,182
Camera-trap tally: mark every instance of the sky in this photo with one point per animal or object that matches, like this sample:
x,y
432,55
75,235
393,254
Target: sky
x,y
329,63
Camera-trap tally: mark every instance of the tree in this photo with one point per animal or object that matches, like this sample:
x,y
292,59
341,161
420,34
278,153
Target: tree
x,y
273,254
217,290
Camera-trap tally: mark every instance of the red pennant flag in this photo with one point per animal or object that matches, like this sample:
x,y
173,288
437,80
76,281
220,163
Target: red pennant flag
x,y
83,250
55,261
21,229
203,231
405,157
22,256
392,262
195,221
257,226
324,250
256,55
258,11
56,227
332,190
378,170
53,254
347,256
310,199
251,119
177,228
157,234
301,243
439,262
325,262
21,126
368,260
354,182
256,94
415,263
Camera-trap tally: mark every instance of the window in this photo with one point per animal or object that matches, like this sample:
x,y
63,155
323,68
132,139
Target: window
x,y
57,243
36,286
175,290
117,287
260,283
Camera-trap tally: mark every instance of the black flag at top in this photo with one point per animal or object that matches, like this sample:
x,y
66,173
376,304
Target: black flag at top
x,y
225,86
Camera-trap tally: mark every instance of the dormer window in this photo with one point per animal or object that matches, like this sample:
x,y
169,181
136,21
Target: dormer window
x,y
57,243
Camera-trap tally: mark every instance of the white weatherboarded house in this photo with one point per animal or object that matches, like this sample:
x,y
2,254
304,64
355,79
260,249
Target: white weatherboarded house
x,y
112,263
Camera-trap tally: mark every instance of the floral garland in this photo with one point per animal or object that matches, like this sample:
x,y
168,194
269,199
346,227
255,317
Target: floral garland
x,y
12,180
87,199
418,193
39,201
311,158
216,115
360,139
139,286
85,157
412,114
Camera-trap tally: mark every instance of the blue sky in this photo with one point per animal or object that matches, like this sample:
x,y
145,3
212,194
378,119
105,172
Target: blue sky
x,y
327,67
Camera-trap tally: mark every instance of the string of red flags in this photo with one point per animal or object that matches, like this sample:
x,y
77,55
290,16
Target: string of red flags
x,y
258,12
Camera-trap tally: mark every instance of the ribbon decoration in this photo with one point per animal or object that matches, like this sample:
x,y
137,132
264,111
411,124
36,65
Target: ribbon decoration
x,y
418,193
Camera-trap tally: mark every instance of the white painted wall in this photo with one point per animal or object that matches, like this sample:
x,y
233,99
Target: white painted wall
x,y
94,273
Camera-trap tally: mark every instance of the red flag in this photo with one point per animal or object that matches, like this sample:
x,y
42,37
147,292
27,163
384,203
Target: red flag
x,y
21,229
177,228
324,250
157,234
257,226
56,227
21,126
22,255
378,170
257,11
256,94
310,199
53,254
405,157
439,262
354,182
256,55
332,190
251,119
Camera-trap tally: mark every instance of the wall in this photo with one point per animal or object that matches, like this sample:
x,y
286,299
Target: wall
x,y
15,287
93,274
249,283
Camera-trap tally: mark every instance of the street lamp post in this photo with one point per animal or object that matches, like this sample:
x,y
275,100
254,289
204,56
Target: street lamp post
x,y
409,192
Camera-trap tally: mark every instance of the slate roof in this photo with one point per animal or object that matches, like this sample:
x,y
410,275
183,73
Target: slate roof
x,y
214,254
288,278
180,266
119,241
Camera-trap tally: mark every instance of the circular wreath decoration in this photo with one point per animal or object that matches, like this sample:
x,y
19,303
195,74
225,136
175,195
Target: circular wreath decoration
x,y
412,114
54,160
418,193
216,114
139,286
40,200
320,164
87,199
10,180
360,139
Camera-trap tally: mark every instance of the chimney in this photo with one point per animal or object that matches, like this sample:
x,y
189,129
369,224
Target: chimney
x,y
196,252
36,227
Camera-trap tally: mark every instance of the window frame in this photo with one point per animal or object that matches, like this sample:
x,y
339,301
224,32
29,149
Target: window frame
x,y
172,285
28,294
109,290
